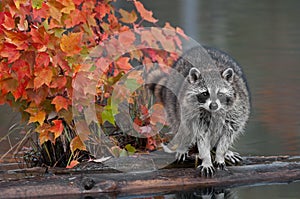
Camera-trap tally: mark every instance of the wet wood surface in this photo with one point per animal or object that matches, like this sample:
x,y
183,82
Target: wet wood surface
x,y
94,178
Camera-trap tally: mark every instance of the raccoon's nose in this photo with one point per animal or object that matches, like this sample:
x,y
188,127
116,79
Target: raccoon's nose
x,y
213,106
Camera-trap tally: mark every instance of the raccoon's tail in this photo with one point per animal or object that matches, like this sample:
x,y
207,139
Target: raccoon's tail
x,y
156,83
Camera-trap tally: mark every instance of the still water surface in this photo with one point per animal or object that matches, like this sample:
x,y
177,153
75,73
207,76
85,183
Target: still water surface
x,y
264,37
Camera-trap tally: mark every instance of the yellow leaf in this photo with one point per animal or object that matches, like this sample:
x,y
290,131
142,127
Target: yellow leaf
x,y
128,17
38,117
69,6
70,44
76,143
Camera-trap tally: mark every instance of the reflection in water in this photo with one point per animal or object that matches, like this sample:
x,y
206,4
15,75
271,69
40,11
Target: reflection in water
x,y
206,193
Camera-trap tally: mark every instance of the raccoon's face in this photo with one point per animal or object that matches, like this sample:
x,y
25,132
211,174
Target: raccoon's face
x,y
212,93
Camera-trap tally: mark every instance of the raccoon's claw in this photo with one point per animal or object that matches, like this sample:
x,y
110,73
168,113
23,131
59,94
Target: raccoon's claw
x,y
233,158
220,165
181,156
206,171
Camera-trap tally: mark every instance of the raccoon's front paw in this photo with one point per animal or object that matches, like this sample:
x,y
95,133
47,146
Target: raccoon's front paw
x,y
206,170
233,158
181,156
220,165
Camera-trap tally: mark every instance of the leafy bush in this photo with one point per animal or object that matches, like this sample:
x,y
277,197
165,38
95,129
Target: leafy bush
x,y
44,47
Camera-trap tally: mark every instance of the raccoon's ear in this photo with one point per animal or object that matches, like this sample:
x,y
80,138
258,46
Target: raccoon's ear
x,y
194,75
228,74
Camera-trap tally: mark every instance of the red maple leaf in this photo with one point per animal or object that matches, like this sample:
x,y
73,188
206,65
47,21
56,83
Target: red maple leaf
x,y
60,103
42,76
21,68
9,22
41,13
39,37
10,52
57,128
42,60
145,14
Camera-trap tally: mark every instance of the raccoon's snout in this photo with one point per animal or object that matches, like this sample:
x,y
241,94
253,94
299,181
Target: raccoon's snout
x,y
213,106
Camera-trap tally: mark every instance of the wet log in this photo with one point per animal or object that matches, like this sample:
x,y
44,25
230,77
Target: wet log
x,y
99,179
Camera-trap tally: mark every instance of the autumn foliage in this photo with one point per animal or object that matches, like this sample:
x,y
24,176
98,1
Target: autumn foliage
x,y
43,45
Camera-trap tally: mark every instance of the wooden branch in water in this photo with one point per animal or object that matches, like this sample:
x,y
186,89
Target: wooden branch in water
x,y
96,181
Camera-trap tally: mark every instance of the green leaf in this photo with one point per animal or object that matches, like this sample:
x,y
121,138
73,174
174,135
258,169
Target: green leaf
x,y
37,4
107,115
131,150
132,84
123,153
58,32
93,68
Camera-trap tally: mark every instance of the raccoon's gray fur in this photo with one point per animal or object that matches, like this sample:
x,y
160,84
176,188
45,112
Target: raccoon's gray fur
x,y
209,106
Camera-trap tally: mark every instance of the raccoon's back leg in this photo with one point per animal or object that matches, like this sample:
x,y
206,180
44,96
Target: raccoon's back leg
x,y
181,142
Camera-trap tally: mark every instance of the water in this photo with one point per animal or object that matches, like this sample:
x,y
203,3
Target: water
x,y
264,37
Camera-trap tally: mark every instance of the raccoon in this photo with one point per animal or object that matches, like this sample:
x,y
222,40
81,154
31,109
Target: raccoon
x,y
209,106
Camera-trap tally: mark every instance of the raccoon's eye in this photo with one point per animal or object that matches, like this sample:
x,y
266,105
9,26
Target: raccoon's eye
x,y
205,94
221,94
202,97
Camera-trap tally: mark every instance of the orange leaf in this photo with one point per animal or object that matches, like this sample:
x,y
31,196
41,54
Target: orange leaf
x,y
10,51
59,82
43,12
102,64
151,144
76,143
42,60
76,17
57,128
102,9
167,43
55,12
70,44
123,63
38,95
181,32
60,103
126,38
72,164
39,117
45,135
144,110
43,76
17,38
69,6
39,37
9,22
145,14
21,68
148,38
128,17
8,85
